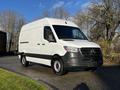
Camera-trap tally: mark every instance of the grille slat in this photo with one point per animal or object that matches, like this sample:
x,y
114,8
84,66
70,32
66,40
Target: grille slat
x,y
91,53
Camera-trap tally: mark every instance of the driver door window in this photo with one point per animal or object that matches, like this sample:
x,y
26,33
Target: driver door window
x,y
48,35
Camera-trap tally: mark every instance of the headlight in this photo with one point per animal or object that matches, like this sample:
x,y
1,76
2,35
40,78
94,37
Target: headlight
x,y
71,49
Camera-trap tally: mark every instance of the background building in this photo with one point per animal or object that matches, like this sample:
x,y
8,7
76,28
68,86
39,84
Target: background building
x,y
3,41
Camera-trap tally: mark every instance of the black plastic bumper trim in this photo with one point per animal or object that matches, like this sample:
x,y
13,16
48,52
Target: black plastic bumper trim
x,y
78,60
39,56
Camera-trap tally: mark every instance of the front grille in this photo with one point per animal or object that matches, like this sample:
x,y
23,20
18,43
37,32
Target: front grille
x,y
91,53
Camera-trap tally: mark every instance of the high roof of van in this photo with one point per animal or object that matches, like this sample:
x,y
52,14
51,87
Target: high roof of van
x,y
49,21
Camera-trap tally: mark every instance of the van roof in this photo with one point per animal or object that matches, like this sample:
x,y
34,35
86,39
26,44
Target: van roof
x,y
50,21
55,21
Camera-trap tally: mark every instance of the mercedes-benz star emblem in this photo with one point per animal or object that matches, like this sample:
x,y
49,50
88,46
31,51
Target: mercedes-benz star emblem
x,y
92,52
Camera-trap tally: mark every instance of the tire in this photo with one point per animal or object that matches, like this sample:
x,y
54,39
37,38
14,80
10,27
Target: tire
x,y
24,62
58,66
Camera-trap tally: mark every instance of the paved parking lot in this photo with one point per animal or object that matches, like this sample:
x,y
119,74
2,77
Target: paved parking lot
x,y
105,78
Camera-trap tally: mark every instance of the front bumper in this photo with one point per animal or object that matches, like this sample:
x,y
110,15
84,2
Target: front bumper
x,y
72,60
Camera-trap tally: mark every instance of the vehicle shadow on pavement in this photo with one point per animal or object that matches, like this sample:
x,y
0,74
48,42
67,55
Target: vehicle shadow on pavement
x,y
82,86
110,75
8,54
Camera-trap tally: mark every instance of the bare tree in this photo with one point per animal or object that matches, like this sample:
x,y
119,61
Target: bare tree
x,y
11,23
103,16
45,14
109,16
60,12
82,20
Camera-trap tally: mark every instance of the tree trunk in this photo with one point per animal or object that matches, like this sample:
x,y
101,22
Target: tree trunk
x,y
10,43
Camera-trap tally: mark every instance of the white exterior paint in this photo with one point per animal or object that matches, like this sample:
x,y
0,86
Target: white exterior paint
x,y
41,61
79,43
33,33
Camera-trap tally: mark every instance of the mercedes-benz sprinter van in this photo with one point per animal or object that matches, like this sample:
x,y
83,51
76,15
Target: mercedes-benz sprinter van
x,y
59,44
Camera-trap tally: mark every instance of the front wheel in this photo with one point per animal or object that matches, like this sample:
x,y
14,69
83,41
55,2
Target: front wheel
x,y
58,67
24,62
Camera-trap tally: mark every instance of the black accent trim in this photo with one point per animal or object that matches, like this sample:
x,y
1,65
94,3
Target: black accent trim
x,y
23,42
72,59
39,56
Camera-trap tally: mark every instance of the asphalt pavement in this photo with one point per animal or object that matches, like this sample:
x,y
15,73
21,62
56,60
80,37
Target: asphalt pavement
x,y
105,78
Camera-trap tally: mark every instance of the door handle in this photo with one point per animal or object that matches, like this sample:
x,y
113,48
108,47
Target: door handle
x,y
43,44
38,44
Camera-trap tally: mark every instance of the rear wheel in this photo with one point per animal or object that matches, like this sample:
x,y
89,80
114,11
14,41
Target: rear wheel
x,y
58,66
24,62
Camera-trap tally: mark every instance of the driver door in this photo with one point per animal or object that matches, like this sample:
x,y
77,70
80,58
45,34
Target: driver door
x,y
48,42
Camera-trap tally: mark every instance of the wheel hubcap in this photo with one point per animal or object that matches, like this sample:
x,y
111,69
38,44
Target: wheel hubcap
x,y
23,60
57,66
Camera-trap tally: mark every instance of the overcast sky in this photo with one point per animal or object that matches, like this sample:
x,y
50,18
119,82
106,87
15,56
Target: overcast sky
x,y
31,9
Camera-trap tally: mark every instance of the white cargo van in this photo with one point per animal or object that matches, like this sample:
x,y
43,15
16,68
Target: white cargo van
x,y
59,44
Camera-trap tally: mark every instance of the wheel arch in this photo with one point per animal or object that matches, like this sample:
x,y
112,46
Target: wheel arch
x,y
55,56
21,54
62,70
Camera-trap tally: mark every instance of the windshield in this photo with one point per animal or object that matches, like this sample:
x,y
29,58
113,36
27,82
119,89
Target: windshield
x,y
67,32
